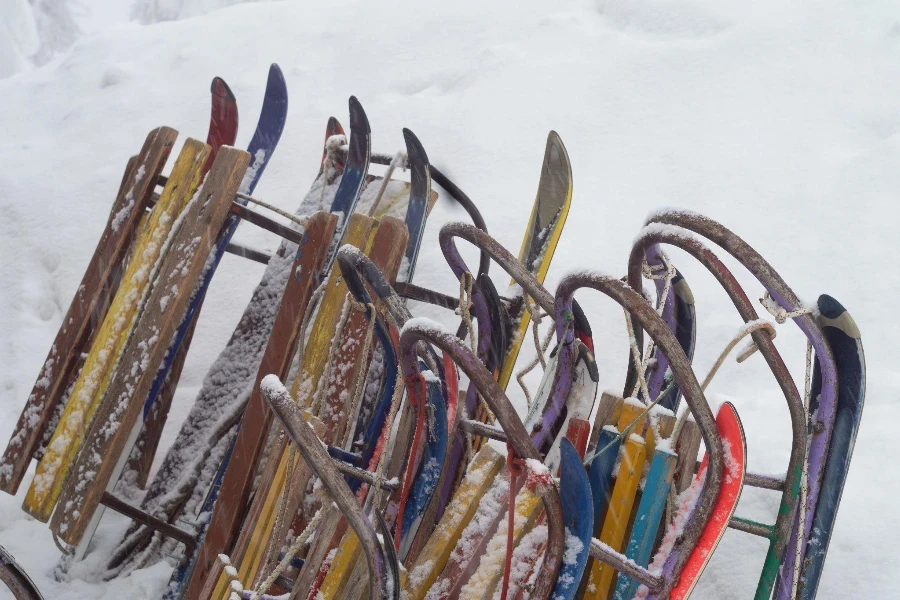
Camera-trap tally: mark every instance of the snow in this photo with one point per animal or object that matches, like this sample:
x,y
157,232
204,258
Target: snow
x,y
779,120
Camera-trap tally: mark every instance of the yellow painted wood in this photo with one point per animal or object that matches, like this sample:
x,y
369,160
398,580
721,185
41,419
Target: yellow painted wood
x,y
259,538
483,582
631,410
553,183
618,515
113,333
319,344
431,560
664,424
341,567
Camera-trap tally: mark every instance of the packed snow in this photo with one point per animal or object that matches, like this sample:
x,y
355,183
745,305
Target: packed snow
x,y
779,120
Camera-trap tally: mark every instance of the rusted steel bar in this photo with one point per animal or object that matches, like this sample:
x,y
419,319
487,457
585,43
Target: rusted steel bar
x,y
420,294
312,450
752,527
266,223
765,482
417,331
139,516
825,405
482,429
685,240
604,553
248,253
647,318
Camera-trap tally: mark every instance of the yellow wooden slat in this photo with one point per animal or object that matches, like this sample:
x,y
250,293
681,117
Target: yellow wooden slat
x,y
113,333
319,344
431,560
615,525
483,582
342,565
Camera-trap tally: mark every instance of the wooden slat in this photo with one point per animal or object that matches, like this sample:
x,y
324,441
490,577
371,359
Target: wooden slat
x,y
431,560
98,464
618,514
649,516
110,338
238,480
88,308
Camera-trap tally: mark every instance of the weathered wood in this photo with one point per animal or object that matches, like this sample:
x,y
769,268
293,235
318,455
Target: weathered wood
x,y
431,560
87,310
608,411
386,250
618,514
98,465
248,447
136,514
687,448
111,337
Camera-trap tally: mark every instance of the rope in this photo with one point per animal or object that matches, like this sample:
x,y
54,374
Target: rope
x,y
651,272
743,332
398,161
540,349
640,365
237,588
291,552
779,312
298,220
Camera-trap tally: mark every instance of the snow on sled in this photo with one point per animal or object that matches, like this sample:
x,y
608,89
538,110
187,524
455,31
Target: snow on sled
x,y
345,446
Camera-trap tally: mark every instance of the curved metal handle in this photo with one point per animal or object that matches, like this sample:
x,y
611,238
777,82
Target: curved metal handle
x,y
647,318
826,407
672,235
517,436
312,450
501,256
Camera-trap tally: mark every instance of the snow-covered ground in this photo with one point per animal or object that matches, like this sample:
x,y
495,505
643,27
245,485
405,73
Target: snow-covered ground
x,y
779,119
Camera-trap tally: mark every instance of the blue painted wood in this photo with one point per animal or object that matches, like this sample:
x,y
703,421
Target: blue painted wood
x,y
600,473
379,415
262,146
648,518
575,494
358,155
844,339
429,473
419,193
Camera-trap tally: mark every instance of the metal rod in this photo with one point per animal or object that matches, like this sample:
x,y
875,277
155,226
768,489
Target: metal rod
x,y
248,253
604,553
363,475
482,429
752,527
766,482
267,223
139,516
421,294
251,216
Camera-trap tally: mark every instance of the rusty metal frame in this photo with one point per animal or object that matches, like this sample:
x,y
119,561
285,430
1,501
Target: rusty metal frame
x,y
646,317
312,450
685,240
826,407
